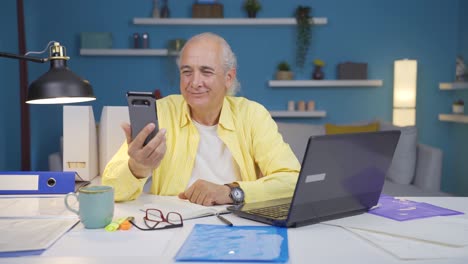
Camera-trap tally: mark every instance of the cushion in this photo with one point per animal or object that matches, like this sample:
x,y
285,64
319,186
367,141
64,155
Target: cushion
x,y
403,164
346,129
297,135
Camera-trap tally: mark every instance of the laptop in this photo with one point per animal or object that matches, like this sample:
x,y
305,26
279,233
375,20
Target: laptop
x,y
341,175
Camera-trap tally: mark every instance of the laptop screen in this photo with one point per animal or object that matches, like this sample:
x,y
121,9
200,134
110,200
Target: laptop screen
x,y
342,173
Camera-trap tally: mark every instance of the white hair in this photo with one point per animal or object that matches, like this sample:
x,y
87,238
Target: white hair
x,y
229,60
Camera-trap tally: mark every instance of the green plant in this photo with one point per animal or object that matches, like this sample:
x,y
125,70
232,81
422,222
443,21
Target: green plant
x,y
283,66
252,5
303,37
459,102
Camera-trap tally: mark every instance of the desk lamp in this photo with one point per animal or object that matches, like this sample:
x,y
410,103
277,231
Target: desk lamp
x,y
57,86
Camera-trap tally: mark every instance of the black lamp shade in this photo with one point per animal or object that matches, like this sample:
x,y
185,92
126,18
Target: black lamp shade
x,y
59,86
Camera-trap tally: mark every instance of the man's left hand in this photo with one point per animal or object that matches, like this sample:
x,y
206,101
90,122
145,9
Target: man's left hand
x,y
207,193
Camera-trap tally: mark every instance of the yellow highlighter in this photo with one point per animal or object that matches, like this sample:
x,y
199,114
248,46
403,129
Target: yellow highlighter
x,y
114,225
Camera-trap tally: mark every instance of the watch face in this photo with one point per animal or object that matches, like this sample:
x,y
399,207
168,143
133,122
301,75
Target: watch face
x,y
237,195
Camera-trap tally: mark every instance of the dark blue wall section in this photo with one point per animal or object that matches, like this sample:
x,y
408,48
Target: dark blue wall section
x,y
10,155
459,132
375,32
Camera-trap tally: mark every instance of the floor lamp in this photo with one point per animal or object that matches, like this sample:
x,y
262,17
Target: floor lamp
x,y
404,92
57,86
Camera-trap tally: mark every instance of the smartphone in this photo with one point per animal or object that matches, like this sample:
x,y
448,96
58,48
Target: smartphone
x,y
142,111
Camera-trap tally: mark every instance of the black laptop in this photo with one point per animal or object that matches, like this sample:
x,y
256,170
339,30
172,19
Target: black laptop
x,y
341,175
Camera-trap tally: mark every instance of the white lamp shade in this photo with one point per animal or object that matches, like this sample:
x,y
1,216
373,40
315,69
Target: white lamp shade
x,y
404,83
404,116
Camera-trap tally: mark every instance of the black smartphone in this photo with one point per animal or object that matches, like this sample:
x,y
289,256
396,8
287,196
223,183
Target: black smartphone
x,y
142,111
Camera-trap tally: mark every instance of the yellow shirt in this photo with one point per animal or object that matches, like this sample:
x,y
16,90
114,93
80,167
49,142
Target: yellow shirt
x,y
268,167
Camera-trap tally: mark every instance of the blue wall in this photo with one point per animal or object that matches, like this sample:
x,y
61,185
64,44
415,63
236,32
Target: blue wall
x,y
376,32
10,156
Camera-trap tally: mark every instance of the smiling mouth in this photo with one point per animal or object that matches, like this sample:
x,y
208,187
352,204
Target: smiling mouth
x,y
198,93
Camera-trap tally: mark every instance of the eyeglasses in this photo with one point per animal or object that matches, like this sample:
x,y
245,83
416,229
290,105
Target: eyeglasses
x,y
154,218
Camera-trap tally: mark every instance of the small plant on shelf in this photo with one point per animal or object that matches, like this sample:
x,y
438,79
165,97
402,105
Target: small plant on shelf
x,y
458,106
318,73
284,71
283,66
252,7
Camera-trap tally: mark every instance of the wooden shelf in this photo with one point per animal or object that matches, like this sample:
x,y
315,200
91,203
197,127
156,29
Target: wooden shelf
x,y
453,86
325,83
457,118
225,21
125,52
298,114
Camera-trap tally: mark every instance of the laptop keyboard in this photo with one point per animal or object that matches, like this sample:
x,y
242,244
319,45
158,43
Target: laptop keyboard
x,y
276,212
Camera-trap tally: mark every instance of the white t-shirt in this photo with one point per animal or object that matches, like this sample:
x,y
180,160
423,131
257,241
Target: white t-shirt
x,y
214,161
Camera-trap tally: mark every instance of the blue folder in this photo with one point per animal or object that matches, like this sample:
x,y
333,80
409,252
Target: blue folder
x,y
220,243
38,182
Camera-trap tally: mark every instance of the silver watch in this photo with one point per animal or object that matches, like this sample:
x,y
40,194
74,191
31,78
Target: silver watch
x,y
236,194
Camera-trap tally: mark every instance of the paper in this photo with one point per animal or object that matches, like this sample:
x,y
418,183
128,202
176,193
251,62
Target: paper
x,y
236,243
21,236
185,208
99,243
404,210
36,207
444,230
410,249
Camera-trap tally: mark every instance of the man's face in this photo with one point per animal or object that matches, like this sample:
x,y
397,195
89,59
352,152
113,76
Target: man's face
x,y
203,82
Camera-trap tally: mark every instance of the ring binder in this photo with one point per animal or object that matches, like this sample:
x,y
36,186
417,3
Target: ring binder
x,y
39,182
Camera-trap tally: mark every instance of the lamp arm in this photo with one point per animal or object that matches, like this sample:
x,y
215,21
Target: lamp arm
x,y
22,57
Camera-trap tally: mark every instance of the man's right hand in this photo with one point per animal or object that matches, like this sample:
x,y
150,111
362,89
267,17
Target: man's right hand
x,y
144,159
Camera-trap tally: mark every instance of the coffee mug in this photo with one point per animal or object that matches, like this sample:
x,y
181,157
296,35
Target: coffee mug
x,y
96,205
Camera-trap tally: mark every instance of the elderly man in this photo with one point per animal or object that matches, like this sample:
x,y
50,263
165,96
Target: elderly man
x,y
212,147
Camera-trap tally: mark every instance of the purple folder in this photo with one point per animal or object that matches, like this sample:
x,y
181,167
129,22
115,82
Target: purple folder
x,y
404,210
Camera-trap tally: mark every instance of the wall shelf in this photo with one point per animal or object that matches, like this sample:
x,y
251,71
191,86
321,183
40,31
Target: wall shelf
x,y
225,21
453,86
125,52
457,118
298,114
325,83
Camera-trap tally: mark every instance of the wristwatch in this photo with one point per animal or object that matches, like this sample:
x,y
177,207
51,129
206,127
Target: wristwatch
x,y
236,194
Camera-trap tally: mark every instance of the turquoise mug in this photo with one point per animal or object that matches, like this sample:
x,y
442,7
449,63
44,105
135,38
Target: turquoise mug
x,y
96,205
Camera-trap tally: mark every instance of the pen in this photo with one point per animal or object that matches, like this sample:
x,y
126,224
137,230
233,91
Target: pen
x,y
224,220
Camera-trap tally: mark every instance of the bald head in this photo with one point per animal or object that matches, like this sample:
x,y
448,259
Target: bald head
x,y
228,58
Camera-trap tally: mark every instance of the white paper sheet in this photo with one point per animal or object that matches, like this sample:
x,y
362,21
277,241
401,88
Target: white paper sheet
x,y
410,249
31,234
99,243
445,230
36,207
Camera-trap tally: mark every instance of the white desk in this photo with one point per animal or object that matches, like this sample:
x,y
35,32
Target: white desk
x,y
310,244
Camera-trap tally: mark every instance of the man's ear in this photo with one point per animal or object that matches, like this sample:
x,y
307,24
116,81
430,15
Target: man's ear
x,y
230,76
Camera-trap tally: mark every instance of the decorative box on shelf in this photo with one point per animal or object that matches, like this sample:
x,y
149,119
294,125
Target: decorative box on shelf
x,y
96,40
352,71
207,10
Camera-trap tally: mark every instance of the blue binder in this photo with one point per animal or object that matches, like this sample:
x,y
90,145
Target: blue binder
x,y
38,182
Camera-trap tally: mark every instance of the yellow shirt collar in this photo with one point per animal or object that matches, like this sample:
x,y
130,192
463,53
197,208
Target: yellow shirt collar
x,y
225,119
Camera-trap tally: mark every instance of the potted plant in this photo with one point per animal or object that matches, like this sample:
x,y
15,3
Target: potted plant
x,y
284,71
252,7
318,73
303,36
458,106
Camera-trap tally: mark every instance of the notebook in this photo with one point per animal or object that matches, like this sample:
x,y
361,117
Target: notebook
x,y
341,175
185,208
